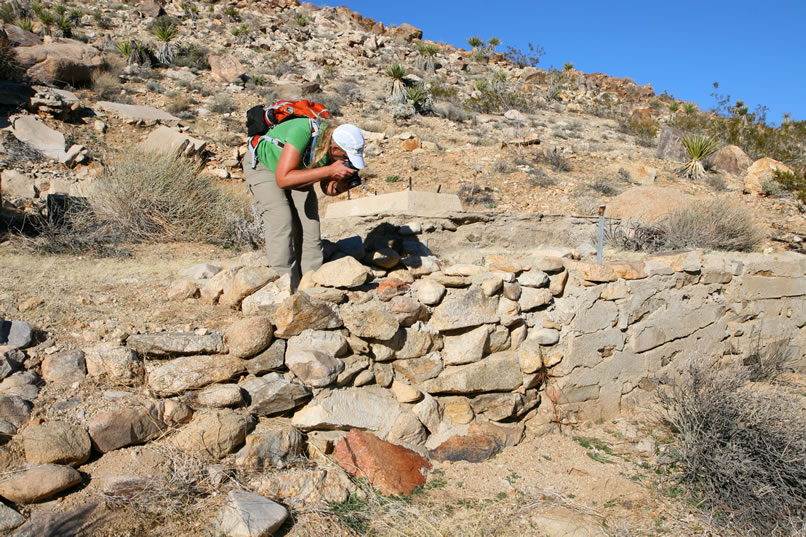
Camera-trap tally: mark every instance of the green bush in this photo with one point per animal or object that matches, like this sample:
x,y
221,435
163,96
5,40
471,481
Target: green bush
x,y
192,56
792,182
741,451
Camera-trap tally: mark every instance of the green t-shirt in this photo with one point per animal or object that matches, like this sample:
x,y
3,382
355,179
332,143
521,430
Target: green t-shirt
x,y
296,132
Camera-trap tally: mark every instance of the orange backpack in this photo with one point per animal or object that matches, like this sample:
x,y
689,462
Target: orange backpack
x,y
259,119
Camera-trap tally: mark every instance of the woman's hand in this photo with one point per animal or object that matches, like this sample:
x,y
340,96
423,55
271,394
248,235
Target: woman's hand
x,y
338,170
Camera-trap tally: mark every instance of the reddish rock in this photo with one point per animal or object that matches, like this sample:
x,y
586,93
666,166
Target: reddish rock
x,y
411,144
390,468
482,441
391,287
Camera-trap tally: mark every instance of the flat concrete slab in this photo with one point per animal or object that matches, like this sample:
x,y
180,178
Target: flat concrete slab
x,y
408,202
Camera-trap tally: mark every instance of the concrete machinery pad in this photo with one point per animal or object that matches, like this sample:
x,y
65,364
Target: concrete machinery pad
x,y
407,202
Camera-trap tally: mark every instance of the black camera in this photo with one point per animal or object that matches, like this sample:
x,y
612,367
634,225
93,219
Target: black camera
x,y
354,180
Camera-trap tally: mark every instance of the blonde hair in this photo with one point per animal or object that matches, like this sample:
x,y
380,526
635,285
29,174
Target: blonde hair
x,y
323,142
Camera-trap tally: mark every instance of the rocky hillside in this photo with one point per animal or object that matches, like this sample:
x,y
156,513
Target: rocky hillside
x,y
505,137
471,373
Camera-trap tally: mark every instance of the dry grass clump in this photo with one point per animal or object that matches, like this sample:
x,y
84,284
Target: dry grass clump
x,y
425,513
148,197
712,225
164,197
105,84
741,451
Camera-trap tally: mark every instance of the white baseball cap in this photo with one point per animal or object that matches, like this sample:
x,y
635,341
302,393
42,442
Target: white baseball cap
x,y
350,139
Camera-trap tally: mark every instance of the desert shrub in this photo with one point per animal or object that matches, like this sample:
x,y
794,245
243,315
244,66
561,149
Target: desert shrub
x,y
192,56
645,131
450,111
440,90
633,236
164,197
539,178
475,195
7,12
767,360
179,103
222,103
24,23
155,86
714,225
504,167
604,187
525,59
498,94
105,84
557,161
741,451
773,189
792,182
9,66
717,183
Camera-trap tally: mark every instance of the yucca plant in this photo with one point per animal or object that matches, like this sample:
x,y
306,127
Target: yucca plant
x,y
25,24
475,42
690,108
47,19
425,60
165,29
674,107
396,72
134,52
699,148
65,26
418,96
75,16
492,43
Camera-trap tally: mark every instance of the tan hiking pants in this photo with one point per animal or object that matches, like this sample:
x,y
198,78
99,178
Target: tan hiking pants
x,y
290,223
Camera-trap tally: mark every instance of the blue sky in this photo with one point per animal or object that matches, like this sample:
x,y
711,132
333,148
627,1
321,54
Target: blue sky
x,y
755,50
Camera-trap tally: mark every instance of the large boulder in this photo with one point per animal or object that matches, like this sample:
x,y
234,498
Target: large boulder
x,y
670,145
215,433
405,31
38,482
760,172
731,159
226,68
56,442
647,203
62,61
165,139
